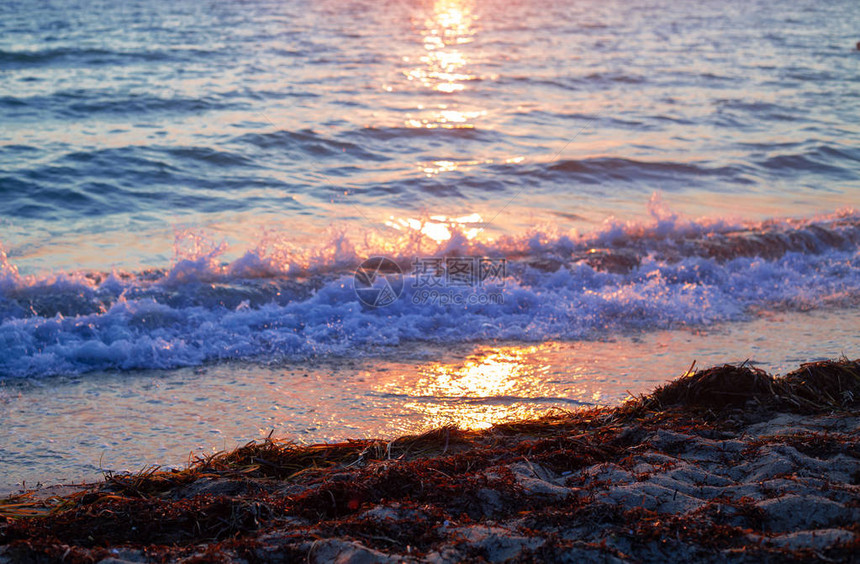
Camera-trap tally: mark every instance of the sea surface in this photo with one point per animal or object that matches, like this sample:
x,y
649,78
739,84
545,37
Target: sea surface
x,y
188,188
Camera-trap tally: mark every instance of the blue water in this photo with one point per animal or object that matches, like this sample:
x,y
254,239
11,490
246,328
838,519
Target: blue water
x,y
186,182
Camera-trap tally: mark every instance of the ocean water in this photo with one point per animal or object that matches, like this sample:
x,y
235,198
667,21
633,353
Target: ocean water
x,y
187,189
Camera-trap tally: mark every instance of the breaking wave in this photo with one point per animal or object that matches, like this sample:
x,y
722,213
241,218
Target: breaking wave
x,y
277,302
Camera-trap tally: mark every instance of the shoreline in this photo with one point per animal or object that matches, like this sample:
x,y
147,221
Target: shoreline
x,y
725,464
404,390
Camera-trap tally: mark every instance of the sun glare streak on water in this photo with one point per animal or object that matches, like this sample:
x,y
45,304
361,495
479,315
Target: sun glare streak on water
x,y
465,394
439,228
444,66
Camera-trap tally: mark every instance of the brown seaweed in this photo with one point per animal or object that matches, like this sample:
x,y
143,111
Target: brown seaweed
x,y
217,508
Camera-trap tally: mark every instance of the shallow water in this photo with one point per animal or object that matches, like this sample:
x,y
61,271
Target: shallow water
x,y
186,190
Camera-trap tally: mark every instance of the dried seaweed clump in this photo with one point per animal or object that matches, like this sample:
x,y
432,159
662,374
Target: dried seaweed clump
x,y
281,459
818,386
814,387
716,387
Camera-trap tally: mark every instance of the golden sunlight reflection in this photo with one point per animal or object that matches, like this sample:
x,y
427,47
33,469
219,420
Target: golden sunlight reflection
x,y
489,387
444,118
443,64
438,167
434,168
439,227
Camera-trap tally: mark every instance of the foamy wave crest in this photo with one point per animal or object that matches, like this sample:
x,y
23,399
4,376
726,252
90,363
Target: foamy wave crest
x,y
277,302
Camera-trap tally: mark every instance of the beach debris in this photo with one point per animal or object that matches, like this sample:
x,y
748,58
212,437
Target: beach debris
x,y
727,463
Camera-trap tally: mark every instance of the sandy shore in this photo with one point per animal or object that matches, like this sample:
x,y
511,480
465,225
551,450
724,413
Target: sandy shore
x,y
726,464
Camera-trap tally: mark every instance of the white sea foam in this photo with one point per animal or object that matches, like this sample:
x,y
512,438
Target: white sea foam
x,y
670,272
